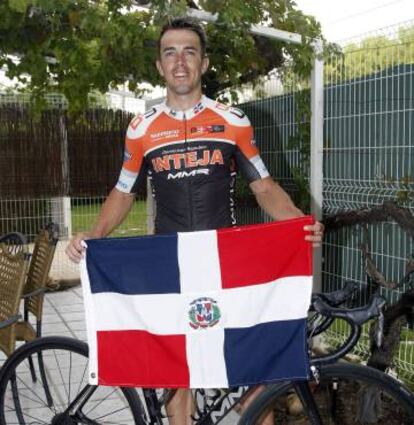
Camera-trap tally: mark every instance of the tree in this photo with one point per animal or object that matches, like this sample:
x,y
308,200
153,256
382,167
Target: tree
x,y
371,55
75,47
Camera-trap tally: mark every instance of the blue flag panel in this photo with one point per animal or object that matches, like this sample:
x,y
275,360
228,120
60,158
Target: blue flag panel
x,y
266,352
145,265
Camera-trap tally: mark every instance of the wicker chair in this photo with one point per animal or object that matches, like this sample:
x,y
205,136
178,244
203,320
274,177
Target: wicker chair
x,y
36,282
14,261
31,286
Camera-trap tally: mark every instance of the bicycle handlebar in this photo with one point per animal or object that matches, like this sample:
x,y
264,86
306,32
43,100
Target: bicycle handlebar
x,y
358,315
336,298
355,317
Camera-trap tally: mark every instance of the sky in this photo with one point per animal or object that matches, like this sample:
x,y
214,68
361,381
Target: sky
x,y
345,19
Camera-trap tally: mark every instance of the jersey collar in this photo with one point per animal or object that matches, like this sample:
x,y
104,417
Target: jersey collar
x,y
187,114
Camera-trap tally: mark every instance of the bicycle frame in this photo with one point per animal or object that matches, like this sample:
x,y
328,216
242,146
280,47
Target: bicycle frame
x,y
217,408
210,409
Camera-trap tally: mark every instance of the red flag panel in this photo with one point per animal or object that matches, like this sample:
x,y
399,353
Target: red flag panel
x,y
251,255
162,359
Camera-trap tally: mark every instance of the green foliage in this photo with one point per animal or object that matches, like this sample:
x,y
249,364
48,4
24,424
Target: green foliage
x,y
405,193
301,142
75,47
370,55
367,58
243,194
84,216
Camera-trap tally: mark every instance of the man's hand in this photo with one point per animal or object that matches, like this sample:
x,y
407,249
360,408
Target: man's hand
x,y
75,249
316,233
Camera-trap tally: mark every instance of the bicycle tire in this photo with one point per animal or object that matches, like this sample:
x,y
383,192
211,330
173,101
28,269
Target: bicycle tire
x,y
340,396
30,395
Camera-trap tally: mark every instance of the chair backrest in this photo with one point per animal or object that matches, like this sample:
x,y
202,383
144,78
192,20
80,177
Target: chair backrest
x,y
39,268
13,268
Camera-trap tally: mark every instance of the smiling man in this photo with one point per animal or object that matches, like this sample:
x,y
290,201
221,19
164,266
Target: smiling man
x,y
190,147
182,62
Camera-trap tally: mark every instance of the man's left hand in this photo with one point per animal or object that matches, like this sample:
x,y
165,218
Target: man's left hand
x,y
316,233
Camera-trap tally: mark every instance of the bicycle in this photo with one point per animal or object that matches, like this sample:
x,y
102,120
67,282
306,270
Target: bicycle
x,y
23,397
338,392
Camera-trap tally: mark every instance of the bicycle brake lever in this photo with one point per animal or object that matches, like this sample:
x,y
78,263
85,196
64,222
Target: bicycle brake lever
x,y
379,330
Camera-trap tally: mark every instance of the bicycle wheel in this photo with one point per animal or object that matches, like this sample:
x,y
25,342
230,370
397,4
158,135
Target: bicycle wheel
x,y
345,395
45,382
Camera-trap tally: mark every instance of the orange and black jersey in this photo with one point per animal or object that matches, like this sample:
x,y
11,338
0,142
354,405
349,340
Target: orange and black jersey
x,y
191,157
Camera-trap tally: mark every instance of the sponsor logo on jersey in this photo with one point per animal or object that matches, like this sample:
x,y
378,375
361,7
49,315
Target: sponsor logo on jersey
x,y
150,113
127,155
136,121
177,161
259,166
208,129
192,173
166,134
204,313
222,107
198,108
239,113
122,184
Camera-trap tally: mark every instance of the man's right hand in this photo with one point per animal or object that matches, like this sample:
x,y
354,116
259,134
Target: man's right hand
x,y
75,249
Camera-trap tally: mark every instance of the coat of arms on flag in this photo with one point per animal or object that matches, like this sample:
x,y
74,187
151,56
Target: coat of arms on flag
x,y
207,309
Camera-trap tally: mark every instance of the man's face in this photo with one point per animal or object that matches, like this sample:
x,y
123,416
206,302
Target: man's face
x,y
181,62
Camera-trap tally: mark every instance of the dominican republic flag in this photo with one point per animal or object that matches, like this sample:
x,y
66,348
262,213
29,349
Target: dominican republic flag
x,y
208,309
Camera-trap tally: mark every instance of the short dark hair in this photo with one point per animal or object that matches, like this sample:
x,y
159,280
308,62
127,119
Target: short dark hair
x,y
185,23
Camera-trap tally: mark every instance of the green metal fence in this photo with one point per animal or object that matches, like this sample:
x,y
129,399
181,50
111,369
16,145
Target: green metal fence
x,y
368,159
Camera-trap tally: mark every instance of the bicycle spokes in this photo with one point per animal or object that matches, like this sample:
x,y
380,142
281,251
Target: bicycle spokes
x,y
49,386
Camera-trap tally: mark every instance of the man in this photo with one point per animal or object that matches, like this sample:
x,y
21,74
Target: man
x,y
189,146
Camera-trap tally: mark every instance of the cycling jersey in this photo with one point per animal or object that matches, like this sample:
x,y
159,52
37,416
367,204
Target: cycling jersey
x,y
191,157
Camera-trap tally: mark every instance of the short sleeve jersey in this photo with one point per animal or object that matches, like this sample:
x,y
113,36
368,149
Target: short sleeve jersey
x,y
191,158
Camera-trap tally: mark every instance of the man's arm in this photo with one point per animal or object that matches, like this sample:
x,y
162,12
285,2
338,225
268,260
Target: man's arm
x,y
112,214
120,199
274,200
277,203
